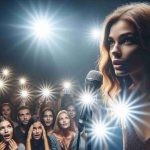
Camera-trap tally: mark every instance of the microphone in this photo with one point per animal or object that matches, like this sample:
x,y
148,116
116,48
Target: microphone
x,y
93,81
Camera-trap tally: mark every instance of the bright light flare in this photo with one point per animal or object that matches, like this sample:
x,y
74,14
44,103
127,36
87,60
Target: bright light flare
x,y
67,85
100,130
22,81
4,85
41,28
24,93
6,72
87,98
96,33
47,91
121,111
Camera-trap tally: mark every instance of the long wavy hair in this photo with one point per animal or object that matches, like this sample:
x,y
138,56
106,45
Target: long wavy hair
x,y
14,133
57,128
138,14
42,115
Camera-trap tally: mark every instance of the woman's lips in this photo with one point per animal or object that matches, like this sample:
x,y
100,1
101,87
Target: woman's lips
x,y
118,64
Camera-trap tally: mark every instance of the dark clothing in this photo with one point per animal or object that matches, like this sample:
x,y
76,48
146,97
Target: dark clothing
x,y
37,144
55,145
134,143
20,135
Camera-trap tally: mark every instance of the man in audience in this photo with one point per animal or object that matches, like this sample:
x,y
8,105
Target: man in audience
x,y
23,116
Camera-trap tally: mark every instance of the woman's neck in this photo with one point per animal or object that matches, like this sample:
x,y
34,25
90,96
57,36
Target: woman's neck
x,y
65,132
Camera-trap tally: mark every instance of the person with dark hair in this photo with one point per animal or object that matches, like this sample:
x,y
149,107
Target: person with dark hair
x,y
125,66
23,116
64,136
6,111
48,119
72,111
37,138
8,139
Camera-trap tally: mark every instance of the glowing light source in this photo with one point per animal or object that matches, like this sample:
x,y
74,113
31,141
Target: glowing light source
x,y
95,33
121,111
22,81
100,130
6,72
4,85
24,93
67,85
87,98
41,28
47,91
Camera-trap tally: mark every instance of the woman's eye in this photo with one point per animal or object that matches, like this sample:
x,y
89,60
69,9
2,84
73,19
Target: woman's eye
x,y
128,40
111,43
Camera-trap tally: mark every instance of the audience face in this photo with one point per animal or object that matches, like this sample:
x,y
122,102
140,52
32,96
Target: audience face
x,y
6,111
24,116
37,130
64,121
6,130
72,111
48,118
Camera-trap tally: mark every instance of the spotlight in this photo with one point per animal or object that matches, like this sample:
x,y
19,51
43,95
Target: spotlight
x,y
95,33
41,28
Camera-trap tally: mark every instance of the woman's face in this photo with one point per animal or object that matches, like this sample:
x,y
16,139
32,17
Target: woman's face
x,y
6,111
6,130
71,110
124,49
48,118
37,130
64,121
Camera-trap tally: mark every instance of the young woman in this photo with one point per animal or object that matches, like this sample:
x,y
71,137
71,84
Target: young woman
x,y
48,120
37,138
8,140
125,65
64,136
6,111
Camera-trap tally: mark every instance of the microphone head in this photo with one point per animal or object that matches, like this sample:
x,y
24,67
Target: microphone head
x,y
93,79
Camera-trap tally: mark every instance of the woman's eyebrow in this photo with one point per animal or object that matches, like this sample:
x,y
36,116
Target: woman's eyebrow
x,y
127,34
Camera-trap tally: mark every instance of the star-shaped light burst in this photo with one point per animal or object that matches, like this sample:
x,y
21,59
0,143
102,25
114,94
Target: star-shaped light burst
x,y
47,91
130,109
24,95
87,98
4,85
6,72
23,81
101,131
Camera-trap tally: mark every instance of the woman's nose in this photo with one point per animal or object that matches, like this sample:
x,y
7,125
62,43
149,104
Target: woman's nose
x,y
116,51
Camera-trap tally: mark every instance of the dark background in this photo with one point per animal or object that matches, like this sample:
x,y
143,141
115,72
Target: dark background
x,y
74,52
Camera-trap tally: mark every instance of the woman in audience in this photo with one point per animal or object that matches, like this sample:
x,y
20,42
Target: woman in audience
x,y
37,138
7,136
48,120
64,136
